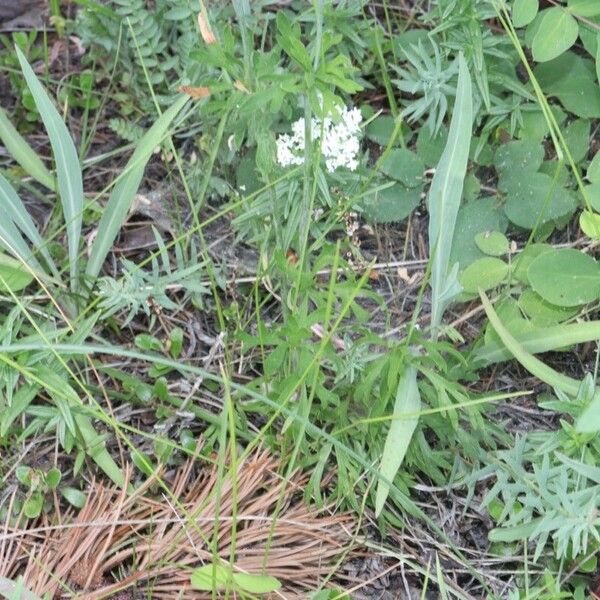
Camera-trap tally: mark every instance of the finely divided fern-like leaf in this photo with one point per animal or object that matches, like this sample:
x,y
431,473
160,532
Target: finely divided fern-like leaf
x,y
445,195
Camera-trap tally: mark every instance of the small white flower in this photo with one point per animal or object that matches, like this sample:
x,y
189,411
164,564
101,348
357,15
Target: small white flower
x,y
340,144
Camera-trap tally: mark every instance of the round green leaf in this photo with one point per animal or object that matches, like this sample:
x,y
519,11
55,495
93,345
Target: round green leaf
x,y
404,166
557,32
529,195
380,130
430,146
593,171
577,138
526,257
73,496
13,275
33,505
210,578
584,8
565,277
590,224
256,584
524,11
475,217
543,313
492,243
484,274
525,155
53,478
392,204
593,194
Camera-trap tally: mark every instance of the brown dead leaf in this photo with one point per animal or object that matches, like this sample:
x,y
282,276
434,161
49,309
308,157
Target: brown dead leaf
x,y
194,92
207,35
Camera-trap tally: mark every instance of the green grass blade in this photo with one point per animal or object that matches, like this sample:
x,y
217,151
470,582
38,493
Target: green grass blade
x,y
535,366
23,153
14,209
445,195
68,168
542,340
10,237
124,191
408,402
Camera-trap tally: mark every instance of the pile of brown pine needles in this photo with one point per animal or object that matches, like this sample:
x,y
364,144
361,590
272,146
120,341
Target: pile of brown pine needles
x,y
126,544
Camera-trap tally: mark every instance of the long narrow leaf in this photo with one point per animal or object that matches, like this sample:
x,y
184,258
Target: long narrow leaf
x,y
23,153
124,192
408,402
68,168
535,366
445,195
12,241
542,340
12,207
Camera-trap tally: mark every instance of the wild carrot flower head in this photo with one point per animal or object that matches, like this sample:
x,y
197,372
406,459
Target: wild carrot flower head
x,y
339,140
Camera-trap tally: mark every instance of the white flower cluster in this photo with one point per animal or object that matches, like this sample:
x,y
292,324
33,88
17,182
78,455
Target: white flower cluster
x,y
339,146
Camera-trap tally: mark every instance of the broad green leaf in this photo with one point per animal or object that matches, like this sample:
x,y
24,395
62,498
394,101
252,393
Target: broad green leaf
x,y
486,273
541,312
572,79
445,195
524,155
593,194
593,171
590,224
404,166
597,57
68,169
123,193
557,32
13,276
565,277
589,420
430,146
543,339
392,204
484,214
531,363
492,243
33,505
73,496
408,402
525,258
23,153
14,209
380,129
534,196
209,578
255,584
524,11
584,8
577,138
